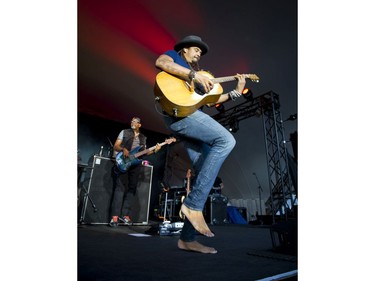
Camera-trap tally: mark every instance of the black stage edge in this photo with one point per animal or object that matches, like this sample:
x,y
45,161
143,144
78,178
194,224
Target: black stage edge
x,y
245,252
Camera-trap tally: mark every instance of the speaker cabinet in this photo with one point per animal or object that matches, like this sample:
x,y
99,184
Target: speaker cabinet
x,y
215,211
141,205
97,189
284,236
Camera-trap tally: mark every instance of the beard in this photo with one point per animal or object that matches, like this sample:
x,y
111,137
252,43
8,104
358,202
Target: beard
x,y
195,60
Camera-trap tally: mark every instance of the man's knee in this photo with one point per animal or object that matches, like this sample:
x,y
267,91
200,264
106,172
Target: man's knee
x,y
230,142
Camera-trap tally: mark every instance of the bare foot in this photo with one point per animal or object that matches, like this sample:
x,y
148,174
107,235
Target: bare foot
x,y
195,247
197,220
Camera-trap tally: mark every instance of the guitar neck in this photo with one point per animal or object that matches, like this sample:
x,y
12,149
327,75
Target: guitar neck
x,y
223,79
252,77
148,150
188,176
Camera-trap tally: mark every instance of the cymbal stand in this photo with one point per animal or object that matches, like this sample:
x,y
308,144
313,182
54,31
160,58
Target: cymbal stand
x,y
165,207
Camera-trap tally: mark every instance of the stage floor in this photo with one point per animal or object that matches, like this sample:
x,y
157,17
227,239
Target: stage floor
x,y
245,252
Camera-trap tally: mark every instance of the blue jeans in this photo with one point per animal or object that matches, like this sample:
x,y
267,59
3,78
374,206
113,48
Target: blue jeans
x,y
208,144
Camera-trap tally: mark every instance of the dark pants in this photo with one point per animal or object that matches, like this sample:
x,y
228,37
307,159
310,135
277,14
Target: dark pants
x,y
124,190
187,232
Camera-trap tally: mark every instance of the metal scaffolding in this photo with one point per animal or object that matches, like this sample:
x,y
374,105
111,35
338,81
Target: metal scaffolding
x,y
283,195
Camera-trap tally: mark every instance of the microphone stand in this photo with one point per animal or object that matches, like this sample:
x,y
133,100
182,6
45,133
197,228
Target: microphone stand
x,y
85,196
260,197
110,151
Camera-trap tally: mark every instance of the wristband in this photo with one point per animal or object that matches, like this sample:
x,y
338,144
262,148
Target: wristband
x,y
192,75
234,94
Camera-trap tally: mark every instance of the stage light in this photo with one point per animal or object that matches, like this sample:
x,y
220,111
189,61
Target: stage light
x,y
220,107
292,117
248,94
234,126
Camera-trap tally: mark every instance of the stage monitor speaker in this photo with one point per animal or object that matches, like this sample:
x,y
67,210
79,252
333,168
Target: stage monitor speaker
x,y
97,193
215,211
284,236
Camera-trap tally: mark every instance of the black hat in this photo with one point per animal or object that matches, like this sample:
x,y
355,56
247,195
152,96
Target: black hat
x,y
190,41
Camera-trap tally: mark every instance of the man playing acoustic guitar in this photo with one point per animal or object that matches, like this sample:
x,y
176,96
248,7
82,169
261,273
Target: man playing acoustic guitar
x,y
207,142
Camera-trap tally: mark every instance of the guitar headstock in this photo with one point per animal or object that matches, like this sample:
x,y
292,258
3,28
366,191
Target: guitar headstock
x,y
252,77
170,140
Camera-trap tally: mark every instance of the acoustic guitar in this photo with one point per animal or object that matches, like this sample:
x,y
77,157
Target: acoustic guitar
x,y
180,98
124,163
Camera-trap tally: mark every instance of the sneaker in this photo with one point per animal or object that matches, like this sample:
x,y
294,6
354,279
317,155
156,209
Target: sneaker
x,y
125,220
113,222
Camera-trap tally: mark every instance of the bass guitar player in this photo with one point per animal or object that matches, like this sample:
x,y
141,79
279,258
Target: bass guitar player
x,y
128,140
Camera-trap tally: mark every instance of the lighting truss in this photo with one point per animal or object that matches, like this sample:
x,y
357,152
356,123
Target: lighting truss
x,y
282,196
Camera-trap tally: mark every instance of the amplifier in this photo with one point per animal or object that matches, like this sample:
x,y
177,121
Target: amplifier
x,y
97,190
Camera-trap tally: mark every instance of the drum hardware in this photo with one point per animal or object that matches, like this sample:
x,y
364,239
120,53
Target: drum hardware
x,y
170,202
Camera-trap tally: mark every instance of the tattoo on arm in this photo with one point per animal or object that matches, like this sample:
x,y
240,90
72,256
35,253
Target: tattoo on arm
x,y
173,68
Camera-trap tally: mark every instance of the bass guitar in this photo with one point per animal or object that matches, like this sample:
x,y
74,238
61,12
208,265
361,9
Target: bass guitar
x,y
188,176
180,98
124,163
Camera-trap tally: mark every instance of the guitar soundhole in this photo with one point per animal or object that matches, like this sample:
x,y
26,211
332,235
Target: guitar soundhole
x,y
199,89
